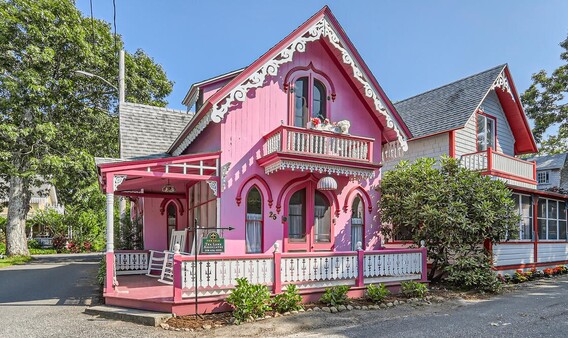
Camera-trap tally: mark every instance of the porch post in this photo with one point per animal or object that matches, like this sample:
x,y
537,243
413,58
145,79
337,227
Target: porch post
x,y
177,276
277,283
360,282
109,280
424,264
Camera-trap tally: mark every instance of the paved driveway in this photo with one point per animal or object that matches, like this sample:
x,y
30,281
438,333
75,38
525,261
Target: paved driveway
x,y
47,297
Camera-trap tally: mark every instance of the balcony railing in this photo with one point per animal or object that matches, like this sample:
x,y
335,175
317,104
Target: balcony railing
x,y
499,164
302,141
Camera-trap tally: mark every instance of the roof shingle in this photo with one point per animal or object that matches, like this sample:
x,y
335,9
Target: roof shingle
x,y
447,107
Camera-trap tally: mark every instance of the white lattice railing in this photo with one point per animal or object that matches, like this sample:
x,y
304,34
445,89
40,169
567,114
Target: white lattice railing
x,y
381,264
313,270
320,143
131,262
218,276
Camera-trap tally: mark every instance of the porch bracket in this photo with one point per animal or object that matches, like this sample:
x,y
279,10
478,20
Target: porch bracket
x,y
213,186
117,180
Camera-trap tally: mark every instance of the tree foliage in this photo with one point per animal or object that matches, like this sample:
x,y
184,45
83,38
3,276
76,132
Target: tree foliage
x,y
544,102
449,207
52,121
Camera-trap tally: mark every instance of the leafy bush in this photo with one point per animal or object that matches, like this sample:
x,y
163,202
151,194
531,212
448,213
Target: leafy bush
x,y
42,251
473,272
2,248
101,274
289,300
519,277
59,243
250,301
377,293
335,295
412,289
33,244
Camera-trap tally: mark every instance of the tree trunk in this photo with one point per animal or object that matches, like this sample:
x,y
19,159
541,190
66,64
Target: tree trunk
x,y
18,205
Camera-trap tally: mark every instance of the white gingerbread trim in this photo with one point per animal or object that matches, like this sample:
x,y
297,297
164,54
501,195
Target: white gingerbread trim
x,y
213,186
117,180
270,68
502,82
224,171
320,168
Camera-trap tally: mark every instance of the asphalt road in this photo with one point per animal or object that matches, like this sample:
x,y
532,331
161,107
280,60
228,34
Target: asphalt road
x,y
47,298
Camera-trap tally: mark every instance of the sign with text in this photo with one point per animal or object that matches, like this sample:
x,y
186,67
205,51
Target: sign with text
x,y
213,243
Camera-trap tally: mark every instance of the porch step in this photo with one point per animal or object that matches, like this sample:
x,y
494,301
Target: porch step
x,y
129,315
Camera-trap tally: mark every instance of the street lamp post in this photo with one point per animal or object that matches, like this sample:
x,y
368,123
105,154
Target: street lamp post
x,y
121,85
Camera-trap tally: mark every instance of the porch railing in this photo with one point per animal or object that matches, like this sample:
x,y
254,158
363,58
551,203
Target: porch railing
x,y
294,140
216,275
133,262
499,164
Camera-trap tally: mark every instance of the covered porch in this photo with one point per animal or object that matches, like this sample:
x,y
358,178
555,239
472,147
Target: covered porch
x,y
214,276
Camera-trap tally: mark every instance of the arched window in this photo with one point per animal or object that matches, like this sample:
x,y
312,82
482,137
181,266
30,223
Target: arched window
x,y
310,98
172,219
253,235
357,221
322,219
297,217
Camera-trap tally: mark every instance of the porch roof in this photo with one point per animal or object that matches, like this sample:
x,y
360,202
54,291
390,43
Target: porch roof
x,y
147,177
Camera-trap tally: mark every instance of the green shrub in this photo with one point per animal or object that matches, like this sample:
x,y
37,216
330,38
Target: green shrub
x,y
2,248
289,300
377,293
101,274
473,273
250,301
42,251
412,289
335,295
33,244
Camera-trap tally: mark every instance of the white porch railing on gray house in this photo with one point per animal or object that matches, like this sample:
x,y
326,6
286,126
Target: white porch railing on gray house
x,y
498,164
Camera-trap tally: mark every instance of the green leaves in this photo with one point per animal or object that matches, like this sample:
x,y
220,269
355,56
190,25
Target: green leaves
x,y
335,295
250,301
289,300
376,293
449,207
544,102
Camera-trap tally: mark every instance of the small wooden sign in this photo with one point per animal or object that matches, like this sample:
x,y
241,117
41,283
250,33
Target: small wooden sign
x,y
213,243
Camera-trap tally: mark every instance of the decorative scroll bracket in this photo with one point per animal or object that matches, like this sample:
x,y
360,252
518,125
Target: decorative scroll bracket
x,y
117,180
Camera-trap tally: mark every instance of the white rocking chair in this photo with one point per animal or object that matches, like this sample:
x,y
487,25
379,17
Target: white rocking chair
x,y
162,261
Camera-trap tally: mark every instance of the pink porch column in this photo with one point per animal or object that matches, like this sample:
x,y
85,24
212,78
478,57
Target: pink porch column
x,y
360,282
424,264
177,278
109,280
277,285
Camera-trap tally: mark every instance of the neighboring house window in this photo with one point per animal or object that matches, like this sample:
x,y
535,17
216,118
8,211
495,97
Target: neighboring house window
x,y
485,132
523,205
551,219
254,221
310,100
172,219
543,177
357,221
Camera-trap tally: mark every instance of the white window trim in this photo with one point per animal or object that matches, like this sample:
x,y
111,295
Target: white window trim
x,y
545,173
559,208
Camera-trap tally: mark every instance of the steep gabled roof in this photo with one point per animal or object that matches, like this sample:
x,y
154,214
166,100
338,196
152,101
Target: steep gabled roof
x,y
556,161
324,27
148,131
447,107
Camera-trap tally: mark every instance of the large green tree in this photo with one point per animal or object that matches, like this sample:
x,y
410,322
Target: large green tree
x,y
545,102
52,121
453,210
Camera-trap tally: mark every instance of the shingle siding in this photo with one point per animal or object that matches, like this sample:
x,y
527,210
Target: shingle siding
x,y
434,146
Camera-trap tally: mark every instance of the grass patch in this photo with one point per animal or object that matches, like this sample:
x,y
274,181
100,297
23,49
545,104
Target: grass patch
x,y
42,251
14,260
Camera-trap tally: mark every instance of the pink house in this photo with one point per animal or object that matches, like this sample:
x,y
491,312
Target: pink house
x,y
286,151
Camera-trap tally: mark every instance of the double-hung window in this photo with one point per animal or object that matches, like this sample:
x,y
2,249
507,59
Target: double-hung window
x,y
523,205
486,132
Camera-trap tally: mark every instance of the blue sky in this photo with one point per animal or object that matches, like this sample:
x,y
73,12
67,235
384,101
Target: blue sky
x,y
410,46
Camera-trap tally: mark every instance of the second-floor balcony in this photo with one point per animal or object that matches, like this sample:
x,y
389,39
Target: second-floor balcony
x,y
514,171
293,148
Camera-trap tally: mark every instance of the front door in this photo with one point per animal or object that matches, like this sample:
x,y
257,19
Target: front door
x,y
308,225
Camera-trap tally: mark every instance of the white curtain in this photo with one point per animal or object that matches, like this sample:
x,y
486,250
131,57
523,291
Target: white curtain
x,y
254,233
356,232
322,223
295,221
